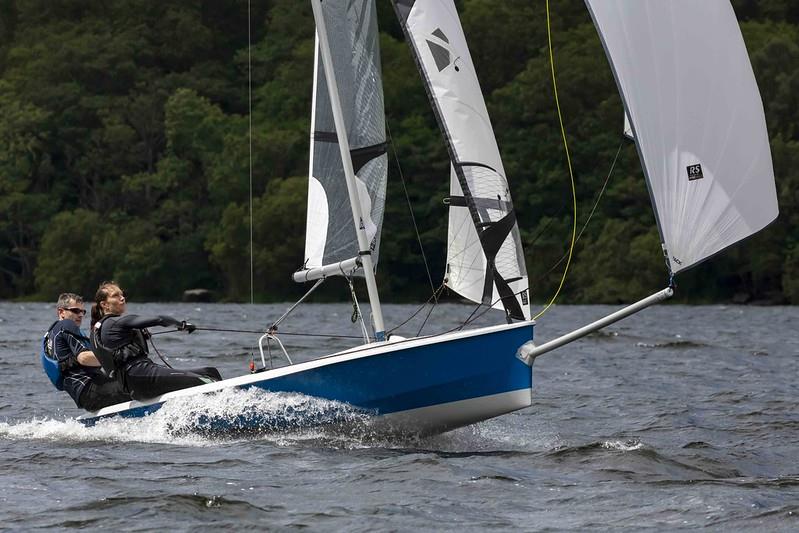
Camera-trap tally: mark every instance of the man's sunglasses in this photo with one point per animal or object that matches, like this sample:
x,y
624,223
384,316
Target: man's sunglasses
x,y
75,310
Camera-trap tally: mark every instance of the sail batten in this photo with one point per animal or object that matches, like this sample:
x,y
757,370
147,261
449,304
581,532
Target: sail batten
x,y
693,107
485,261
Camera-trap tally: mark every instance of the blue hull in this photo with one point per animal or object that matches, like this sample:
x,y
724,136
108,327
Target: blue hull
x,y
426,385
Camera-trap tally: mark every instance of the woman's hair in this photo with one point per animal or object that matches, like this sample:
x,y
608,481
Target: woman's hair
x,y
100,296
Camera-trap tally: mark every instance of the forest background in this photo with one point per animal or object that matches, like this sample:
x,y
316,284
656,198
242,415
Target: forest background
x,y
124,152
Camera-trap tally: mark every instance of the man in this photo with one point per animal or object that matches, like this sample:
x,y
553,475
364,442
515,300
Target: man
x,y
83,379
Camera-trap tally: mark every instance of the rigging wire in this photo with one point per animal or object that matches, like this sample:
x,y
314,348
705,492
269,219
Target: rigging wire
x,y
421,308
249,139
593,210
261,332
543,230
472,315
569,162
249,103
434,299
277,322
410,209
435,292
430,311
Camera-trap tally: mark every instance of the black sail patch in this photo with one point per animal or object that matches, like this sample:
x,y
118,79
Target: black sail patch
x,y
440,55
694,172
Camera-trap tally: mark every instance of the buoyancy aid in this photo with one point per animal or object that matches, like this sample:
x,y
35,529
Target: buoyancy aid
x,y
116,359
53,367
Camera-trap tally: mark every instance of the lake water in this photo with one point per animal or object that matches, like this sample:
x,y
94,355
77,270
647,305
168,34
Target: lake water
x,y
679,417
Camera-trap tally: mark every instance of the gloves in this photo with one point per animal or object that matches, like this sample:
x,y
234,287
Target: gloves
x,y
186,326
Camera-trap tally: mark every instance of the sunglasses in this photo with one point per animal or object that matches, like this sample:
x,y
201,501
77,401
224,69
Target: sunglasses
x,y
75,310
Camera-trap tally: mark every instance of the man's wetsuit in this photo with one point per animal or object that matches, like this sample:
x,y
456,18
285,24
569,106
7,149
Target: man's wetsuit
x,y
88,386
121,346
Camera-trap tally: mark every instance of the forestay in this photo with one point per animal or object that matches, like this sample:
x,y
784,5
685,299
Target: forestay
x,y
697,118
485,260
331,245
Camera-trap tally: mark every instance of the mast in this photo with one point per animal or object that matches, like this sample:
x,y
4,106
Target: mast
x,y
364,252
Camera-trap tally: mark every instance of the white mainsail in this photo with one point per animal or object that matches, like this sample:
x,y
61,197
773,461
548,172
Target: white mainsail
x,y
697,118
485,260
331,245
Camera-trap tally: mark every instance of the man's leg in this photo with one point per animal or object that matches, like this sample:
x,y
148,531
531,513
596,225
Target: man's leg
x,y
102,392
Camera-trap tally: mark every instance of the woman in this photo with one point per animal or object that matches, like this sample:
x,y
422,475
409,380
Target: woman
x,y
120,343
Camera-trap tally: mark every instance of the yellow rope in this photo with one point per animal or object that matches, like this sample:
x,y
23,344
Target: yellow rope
x,y
568,160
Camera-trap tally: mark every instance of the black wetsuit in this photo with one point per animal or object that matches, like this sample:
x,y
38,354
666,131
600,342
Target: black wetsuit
x,y
121,346
88,386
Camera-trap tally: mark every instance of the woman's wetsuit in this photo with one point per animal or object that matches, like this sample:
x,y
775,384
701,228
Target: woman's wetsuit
x,y
120,344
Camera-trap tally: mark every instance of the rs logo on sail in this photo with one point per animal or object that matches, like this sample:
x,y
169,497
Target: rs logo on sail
x,y
695,172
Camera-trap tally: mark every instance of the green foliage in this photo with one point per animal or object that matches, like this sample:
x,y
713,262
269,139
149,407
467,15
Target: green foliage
x,y
70,260
790,275
277,217
620,265
25,172
125,151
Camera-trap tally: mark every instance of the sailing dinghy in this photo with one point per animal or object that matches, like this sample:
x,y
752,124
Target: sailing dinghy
x,y
695,114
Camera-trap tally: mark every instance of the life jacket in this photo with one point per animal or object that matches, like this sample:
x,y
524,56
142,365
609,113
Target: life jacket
x,y
52,366
118,358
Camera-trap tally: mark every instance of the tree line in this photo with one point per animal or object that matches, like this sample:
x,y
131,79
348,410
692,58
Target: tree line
x,y
125,137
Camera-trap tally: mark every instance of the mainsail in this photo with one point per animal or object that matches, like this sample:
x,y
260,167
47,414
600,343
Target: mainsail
x,y
697,118
485,260
331,245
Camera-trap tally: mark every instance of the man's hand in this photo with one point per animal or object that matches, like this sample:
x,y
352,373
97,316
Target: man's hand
x,y
186,326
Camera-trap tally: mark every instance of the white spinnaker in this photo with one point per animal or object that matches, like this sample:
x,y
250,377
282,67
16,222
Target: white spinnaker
x,y
697,117
438,42
330,234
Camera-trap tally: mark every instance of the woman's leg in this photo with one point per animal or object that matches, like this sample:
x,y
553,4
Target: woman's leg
x,y
146,379
207,371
